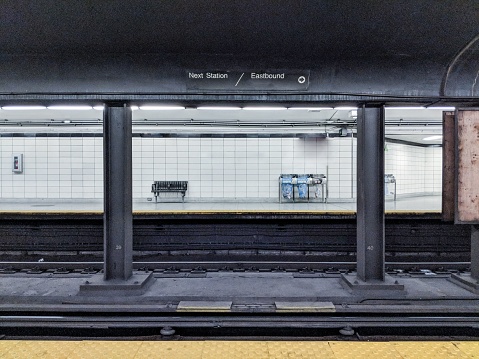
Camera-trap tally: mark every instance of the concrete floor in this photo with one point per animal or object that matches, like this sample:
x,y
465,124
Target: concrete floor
x,y
22,289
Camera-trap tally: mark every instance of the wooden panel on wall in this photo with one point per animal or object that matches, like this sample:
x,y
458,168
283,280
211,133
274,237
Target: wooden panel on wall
x,y
448,166
467,157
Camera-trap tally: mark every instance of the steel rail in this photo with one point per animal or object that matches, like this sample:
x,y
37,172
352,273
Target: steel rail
x,y
238,321
229,264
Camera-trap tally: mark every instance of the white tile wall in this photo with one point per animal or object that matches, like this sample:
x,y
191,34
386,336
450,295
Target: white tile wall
x,y
54,167
215,168
418,170
238,168
433,169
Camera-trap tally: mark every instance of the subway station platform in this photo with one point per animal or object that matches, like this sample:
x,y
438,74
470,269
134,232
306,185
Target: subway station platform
x,y
236,349
418,204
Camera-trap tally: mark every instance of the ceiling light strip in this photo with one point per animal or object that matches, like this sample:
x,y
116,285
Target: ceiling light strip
x,y
406,108
23,108
310,108
218,108
70,107
268,108
432,138
346,108
160,108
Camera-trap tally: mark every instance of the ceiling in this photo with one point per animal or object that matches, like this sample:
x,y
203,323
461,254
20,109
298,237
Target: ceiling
x,y
404,124
295,30
269,28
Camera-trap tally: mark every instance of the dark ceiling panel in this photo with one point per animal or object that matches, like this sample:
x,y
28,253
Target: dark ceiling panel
x,y
268,28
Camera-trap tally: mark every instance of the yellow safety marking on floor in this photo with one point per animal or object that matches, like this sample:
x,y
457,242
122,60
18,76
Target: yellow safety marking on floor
x,y
235,349
43,211
300,350
6,346
221,211
469,348
429,350
247,211
412,213
106,350
204,306
364,350
307,307
172,350
38,349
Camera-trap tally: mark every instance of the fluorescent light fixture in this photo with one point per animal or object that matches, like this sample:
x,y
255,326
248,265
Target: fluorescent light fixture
x,y
24,108
70,107
406,108
443,108
67,121
99,108
310,108
432,138
219,108
134,108
346,108
160,108
271,108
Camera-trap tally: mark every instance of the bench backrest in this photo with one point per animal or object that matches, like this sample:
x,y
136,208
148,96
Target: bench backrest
x,y
170,185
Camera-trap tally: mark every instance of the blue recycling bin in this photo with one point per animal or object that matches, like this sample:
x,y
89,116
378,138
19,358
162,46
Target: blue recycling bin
x,y
287,187
302,186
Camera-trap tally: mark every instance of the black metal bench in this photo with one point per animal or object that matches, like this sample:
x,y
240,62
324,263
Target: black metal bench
x,y
169,186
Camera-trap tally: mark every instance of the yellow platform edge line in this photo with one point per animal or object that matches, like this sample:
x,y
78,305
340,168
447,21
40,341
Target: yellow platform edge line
x,y
8,342
219,211
235,211
247,211
203,310
69,211
332,212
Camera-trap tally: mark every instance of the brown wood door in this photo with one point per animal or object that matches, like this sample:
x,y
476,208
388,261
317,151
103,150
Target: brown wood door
x,y
467,166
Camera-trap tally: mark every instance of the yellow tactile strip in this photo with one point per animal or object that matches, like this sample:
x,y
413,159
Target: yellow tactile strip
x,y
235,349
204,306
306,307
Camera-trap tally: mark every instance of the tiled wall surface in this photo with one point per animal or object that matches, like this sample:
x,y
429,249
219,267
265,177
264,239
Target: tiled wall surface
x,y
237,168
215,168
417,169
54,167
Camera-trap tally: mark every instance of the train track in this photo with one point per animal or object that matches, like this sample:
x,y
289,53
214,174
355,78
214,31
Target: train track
x,y
177,267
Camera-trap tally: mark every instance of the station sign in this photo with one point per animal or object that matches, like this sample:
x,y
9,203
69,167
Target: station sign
x,y
257,80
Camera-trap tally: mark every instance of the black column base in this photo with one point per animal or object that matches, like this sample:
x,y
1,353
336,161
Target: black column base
x,y
465,281
137,284
390,287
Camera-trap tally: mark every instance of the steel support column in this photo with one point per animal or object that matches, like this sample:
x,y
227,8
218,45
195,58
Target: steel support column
x,y
118,216
370,277
118,278
475,252
370,194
